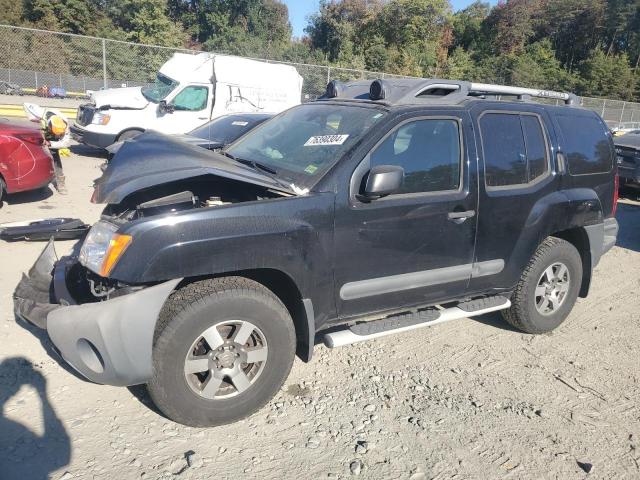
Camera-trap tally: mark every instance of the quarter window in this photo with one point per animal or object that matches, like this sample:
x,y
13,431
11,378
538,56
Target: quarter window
x,y
587,146
429,153
191,98
515,151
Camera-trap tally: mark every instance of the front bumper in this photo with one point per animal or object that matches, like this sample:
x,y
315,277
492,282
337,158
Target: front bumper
x,y
93,139
108,342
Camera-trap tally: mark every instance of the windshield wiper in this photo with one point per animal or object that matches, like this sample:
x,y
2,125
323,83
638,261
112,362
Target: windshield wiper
x,y
272,173
257,165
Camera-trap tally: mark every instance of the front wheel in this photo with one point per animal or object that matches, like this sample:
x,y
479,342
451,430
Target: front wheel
x,y
223,348
548,288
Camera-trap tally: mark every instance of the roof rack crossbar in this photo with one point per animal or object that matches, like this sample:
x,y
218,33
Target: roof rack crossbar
x,y
483,88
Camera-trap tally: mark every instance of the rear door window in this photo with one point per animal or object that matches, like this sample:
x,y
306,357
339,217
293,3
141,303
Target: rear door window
x,y
586,144
515,150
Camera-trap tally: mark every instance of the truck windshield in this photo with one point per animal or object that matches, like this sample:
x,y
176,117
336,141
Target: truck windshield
x,y
301,144
162,87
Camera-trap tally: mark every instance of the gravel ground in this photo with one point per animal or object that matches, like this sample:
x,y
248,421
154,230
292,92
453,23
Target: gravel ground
x,y
467,399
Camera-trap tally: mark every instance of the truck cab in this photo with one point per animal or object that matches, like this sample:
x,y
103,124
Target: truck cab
x,y
188,91
382,208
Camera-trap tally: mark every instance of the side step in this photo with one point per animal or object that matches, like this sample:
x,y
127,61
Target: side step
x,y
405,322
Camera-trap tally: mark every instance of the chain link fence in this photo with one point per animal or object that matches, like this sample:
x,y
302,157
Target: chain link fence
x,y
32,59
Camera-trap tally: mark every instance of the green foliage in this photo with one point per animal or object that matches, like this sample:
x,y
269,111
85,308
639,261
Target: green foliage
x,y
611,74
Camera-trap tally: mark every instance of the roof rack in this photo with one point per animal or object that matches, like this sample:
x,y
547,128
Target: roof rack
x,y
522,93
416,90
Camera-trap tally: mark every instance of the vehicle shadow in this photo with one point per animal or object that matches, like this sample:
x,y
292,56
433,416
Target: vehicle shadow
x,y
25,454
142,395
495,320
628,216
29,197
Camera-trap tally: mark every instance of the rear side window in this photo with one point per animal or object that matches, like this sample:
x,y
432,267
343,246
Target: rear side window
x,y
429,153
515,150
586,144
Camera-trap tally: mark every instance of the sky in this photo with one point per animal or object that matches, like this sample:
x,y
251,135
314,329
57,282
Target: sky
x,y
300,9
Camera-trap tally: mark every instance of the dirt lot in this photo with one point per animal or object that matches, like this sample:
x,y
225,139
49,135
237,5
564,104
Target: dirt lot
x,y
468,399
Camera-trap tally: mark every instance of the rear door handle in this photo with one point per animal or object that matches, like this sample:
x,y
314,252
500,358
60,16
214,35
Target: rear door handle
x,y
459,217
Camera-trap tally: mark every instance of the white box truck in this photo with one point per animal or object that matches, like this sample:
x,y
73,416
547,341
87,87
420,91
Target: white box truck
x,y
189,91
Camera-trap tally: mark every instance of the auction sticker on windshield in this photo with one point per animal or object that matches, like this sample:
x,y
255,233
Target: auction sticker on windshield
x,y
326,140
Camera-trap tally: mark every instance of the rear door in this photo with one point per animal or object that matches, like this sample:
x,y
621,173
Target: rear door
x,y
414,247
515,147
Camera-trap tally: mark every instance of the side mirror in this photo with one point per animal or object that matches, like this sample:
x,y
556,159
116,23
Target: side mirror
x,y
165,107
382,180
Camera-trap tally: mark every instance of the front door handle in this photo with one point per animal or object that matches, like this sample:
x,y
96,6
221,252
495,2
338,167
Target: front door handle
x,y
459,217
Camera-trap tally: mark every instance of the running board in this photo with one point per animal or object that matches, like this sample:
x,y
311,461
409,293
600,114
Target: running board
x,y
361,332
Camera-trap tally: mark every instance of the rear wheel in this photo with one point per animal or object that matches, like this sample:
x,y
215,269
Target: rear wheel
x,y
548,288
222,349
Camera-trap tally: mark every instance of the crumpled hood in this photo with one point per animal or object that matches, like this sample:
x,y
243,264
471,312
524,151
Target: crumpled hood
x,y
129,97
153,158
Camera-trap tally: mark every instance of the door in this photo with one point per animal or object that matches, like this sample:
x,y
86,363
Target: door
x,y
187,110
416,246
519,186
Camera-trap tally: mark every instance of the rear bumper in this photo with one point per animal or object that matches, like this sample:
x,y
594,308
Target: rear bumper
x,y
93,139
108,342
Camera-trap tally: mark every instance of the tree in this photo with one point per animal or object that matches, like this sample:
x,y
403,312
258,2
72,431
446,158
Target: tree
x,y
145,21
609,76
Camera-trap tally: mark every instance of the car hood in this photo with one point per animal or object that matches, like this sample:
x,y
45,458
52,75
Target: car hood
x,y
628,141
195,141
129,97
153,158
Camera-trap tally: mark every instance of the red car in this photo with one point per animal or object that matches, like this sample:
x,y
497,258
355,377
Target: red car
x,y
25,162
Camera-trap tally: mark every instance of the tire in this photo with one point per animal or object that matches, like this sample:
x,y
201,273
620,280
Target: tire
x,y
128,134
224,306
538,305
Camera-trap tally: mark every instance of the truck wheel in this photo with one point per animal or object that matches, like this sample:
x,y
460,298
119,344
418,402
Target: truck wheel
x,y
222,349
548,288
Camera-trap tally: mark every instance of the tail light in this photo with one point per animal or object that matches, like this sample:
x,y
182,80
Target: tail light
x,y
616,189
36,137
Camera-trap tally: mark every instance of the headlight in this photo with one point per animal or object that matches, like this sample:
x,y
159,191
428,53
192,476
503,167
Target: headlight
x,y
102,248
100,118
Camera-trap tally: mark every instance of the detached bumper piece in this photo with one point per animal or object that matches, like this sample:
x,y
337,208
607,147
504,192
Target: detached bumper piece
x,y
108,342
45,229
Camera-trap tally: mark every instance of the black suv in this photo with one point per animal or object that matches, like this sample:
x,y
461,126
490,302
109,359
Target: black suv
x,y
381,208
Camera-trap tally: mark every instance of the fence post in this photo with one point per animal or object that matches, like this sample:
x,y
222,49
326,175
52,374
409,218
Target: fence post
x,y
104,63
328,74
36,75
622,112
604,105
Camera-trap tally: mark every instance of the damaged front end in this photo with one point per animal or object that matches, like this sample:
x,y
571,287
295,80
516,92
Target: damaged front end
x,y
97,306
106,337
